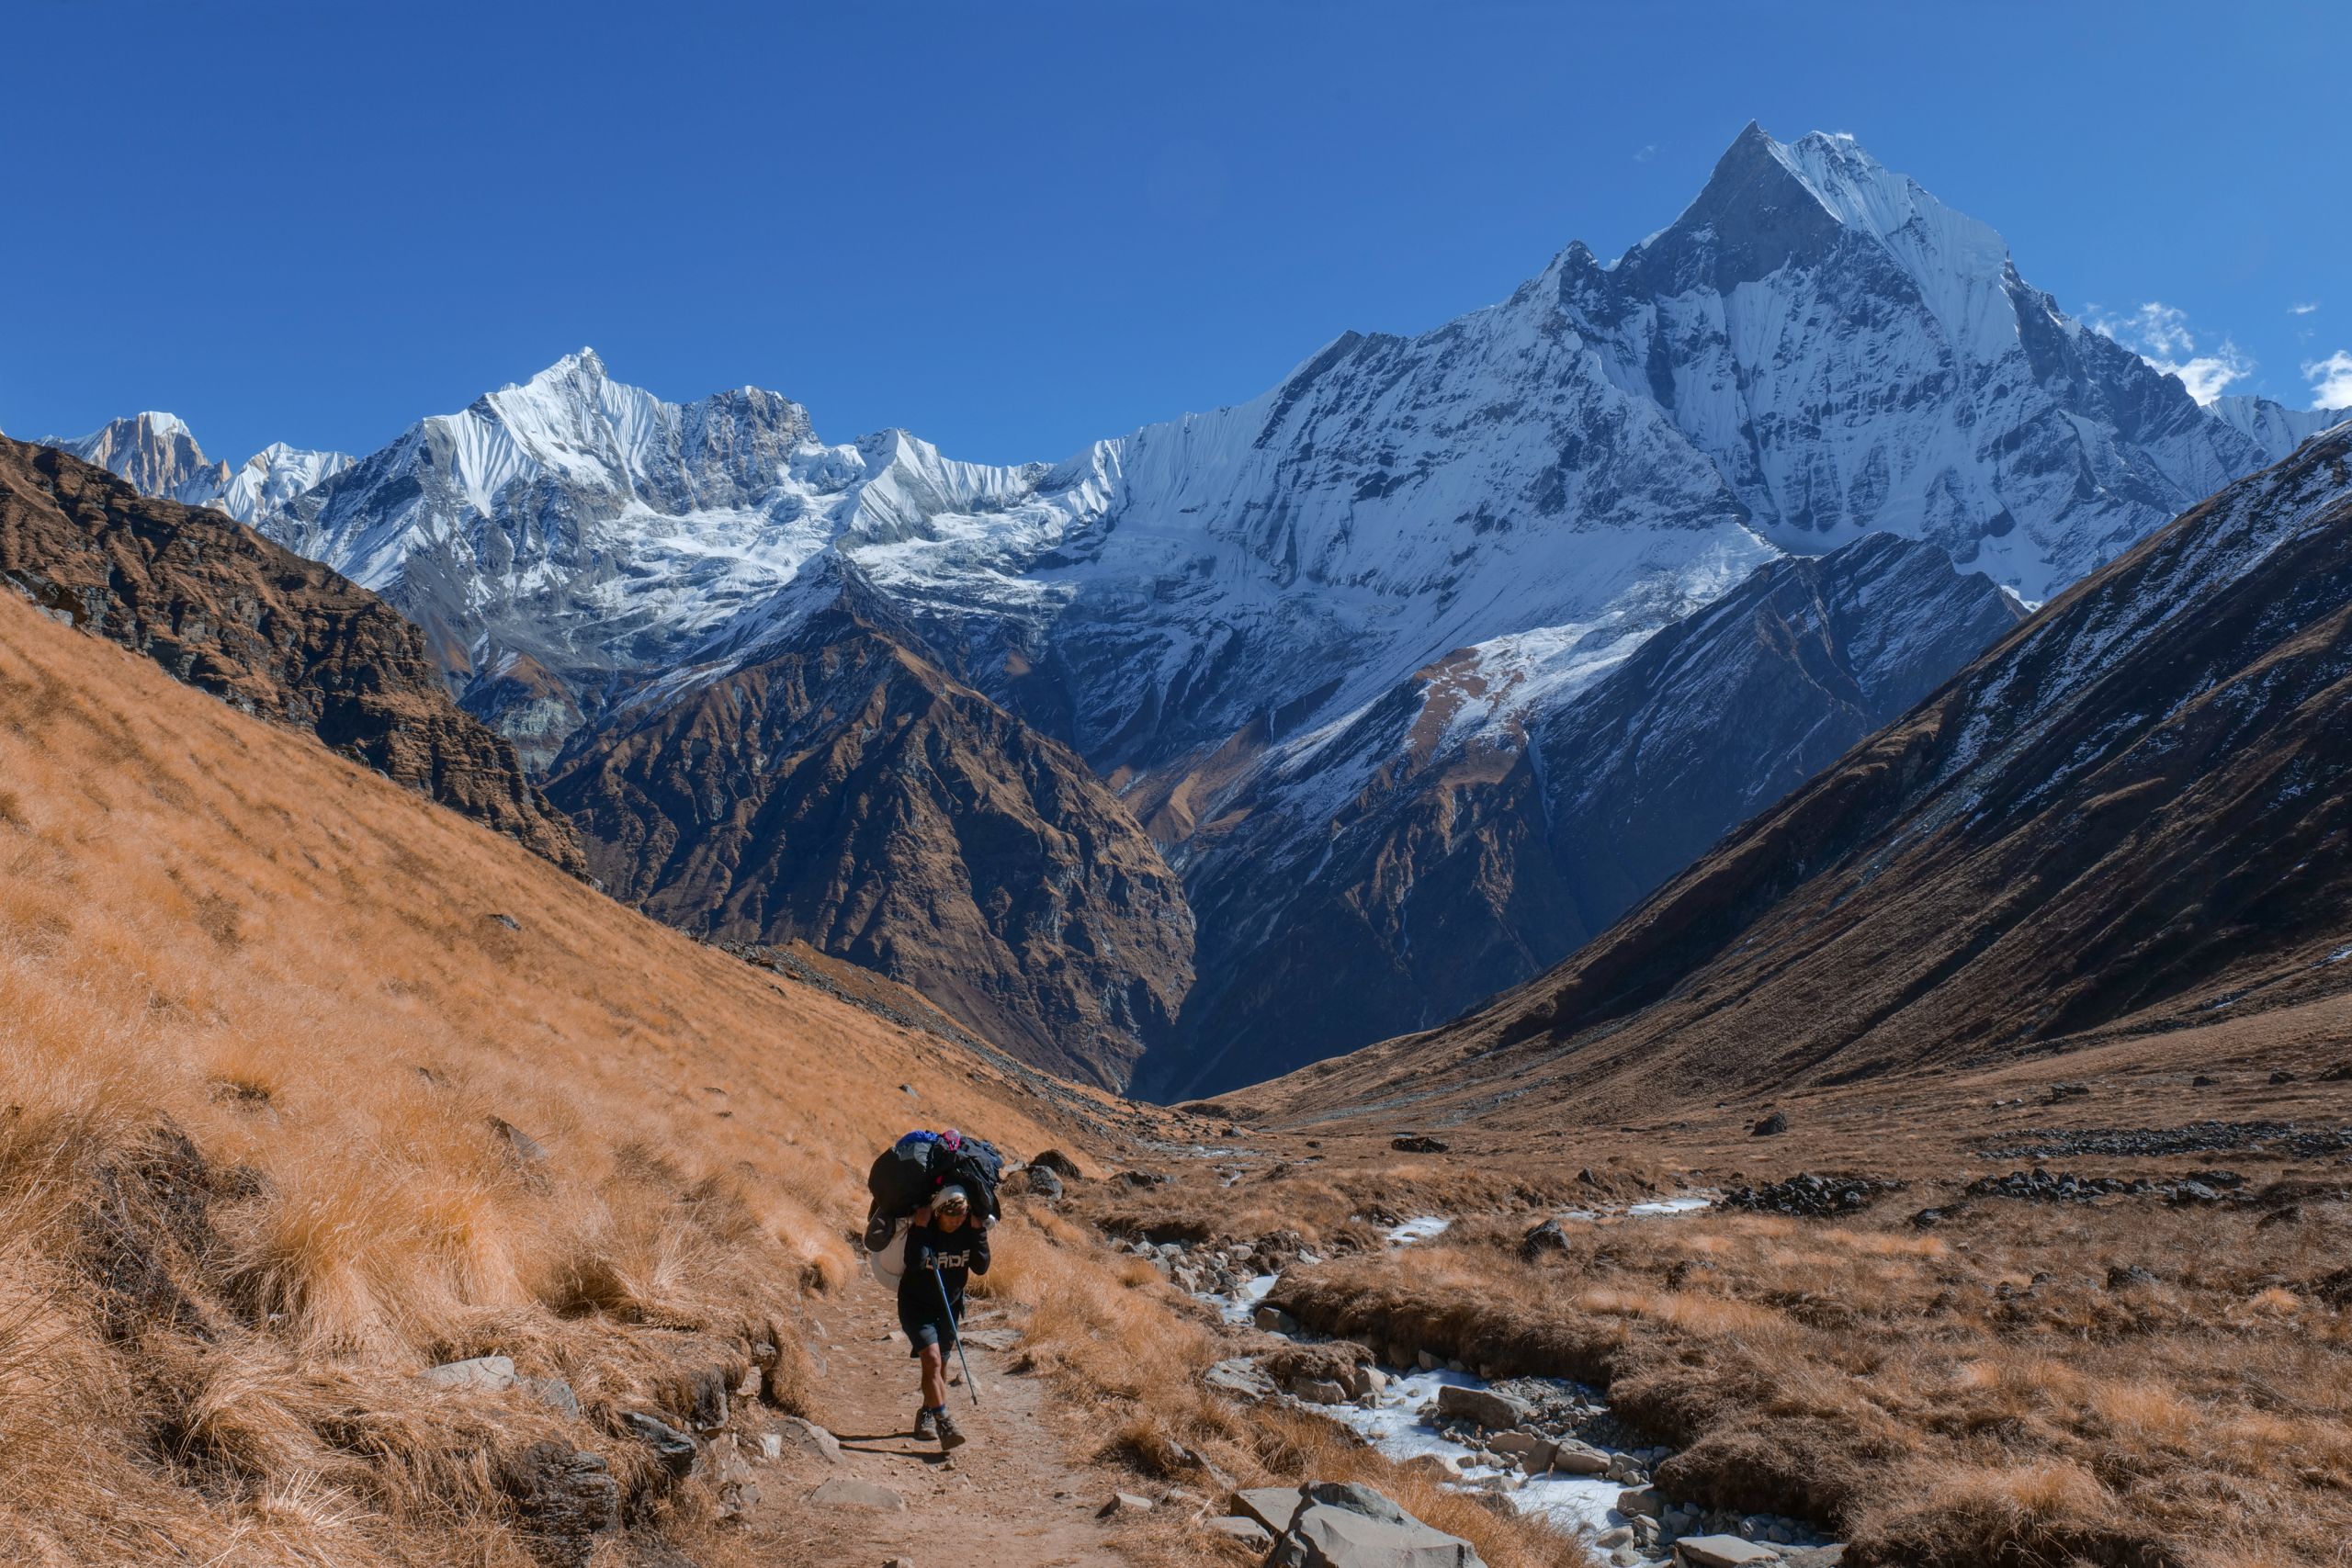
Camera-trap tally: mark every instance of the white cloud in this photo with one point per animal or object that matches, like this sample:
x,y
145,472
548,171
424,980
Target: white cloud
x,y
1649,150
2159,334
2207,376
2300,310
2154,328
2331,380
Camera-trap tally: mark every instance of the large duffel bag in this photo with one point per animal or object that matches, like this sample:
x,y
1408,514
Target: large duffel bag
x,y
902,1175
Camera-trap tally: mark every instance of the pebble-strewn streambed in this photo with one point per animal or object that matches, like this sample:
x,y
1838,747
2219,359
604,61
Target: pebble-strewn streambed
x,y
1400,1419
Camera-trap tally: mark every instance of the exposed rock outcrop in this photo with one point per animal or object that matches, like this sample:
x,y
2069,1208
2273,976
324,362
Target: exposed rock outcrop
x,y
846,792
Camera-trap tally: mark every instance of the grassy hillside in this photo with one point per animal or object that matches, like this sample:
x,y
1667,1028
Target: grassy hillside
x,y
307,1085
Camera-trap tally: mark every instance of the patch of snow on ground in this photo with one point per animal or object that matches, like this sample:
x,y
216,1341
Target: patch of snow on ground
x,y
1419,1229
1671,1206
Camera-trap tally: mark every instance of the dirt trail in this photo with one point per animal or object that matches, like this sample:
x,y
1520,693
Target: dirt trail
x,y
1012,1495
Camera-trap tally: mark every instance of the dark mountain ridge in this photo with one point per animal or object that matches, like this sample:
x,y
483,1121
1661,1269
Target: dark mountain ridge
x,y
844,792
262,628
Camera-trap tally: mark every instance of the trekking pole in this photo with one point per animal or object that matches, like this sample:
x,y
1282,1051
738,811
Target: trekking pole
x,y
957,1330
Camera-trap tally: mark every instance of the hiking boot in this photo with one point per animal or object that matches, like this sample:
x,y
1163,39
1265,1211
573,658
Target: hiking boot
x,y
926,1424
949,1438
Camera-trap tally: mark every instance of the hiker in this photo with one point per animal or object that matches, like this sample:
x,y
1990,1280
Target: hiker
x,y
943,1248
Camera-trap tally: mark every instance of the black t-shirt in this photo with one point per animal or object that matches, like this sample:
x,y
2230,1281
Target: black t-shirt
x,y
958,1253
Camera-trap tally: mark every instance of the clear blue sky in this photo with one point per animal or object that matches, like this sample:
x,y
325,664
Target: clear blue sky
x,y
1013,228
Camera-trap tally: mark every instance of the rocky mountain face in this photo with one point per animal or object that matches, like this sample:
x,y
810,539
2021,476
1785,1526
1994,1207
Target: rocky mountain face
x,y
2128,816
1319,630
1466,866
263,629
158,455
844,792
1853,355
2277,430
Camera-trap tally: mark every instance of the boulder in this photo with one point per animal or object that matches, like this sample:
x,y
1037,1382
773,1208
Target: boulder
x,y
1720,1552
1322,1391
1043,1182
1274,1320
1416,1143
1641,1503
1357,1498
1124,1503
1253,1536
553,1392
1570,1457
793,1431
1354,1527
1060,1164
1547,1237
484,1374
842,1492
1482,1407
1242,1378
709,1386
673,1448
1772,1125
564,1500
1367,1381
1273,1507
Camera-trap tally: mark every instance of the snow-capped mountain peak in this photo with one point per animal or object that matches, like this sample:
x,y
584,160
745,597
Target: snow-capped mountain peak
x,y
158,455
155,452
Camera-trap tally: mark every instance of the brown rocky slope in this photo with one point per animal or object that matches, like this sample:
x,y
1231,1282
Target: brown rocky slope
x,y
2128,816
844,792
262,628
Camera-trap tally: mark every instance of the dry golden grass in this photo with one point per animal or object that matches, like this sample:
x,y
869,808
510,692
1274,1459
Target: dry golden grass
x,y
262,1037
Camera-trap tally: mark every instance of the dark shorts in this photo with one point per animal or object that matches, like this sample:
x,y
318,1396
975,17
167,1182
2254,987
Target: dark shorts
x,y
923,1330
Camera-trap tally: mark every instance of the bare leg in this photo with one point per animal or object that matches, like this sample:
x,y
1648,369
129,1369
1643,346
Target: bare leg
x,y
934,1376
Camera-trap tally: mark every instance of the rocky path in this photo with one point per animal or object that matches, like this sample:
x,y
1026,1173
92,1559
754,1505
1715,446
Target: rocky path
x,y
1013,1494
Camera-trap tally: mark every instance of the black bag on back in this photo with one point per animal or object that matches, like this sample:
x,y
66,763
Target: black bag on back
x,y
977,1168
901,1176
